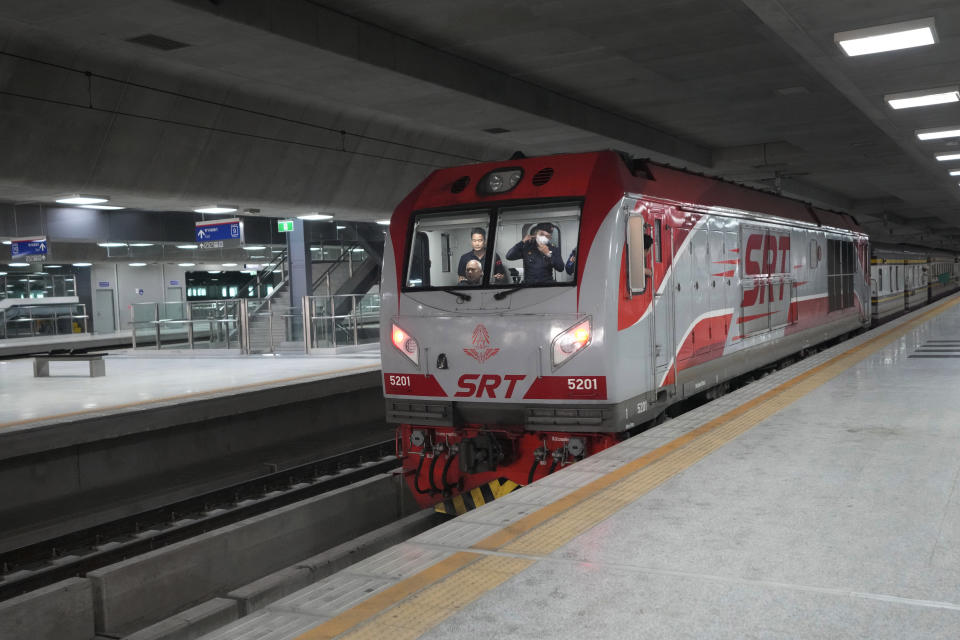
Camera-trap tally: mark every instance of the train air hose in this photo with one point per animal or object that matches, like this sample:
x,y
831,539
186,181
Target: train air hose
x,y
533,470
447,486
416,477
433,465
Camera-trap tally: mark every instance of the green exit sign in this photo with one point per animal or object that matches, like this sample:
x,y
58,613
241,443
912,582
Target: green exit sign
x,y
284,226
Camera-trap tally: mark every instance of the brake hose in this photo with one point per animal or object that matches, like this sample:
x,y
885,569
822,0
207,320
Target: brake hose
x,y
416,478
447,486
433,466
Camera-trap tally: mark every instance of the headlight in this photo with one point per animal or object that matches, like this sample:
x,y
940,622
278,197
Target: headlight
x,y
406,344
499,181
572,341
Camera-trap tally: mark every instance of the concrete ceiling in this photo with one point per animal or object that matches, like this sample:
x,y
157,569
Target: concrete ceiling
x,y
342,106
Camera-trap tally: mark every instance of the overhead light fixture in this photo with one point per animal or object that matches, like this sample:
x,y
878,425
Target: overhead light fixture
x,y
138,264
83,264
887,37
316,216
383,222
258,257
340,226
228,264
925,98
209,271
53,266
140,244
101,207
81,199
110,245
217,208
18,264
185,264
955,173
944,157
8,242
316,248
253,247
186,246
938,134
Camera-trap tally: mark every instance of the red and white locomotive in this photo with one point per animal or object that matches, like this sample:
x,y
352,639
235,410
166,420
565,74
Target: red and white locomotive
x,y
567,332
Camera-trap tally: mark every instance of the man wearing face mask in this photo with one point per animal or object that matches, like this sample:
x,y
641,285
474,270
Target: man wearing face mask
x,y
540,257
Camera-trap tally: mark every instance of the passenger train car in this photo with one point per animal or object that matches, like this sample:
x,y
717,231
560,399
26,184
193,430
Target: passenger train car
x,y
604,290
903,278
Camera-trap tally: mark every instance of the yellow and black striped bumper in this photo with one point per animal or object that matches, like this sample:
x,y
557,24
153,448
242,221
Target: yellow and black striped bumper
x,y
476,497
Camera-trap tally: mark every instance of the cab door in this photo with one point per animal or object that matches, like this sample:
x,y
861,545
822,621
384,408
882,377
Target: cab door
x,y
663,296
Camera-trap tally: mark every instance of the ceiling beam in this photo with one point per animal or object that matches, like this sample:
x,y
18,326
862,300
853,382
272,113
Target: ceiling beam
x,y
307,22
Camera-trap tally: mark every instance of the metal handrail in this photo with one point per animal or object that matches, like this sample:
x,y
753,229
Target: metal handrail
x,y
344,254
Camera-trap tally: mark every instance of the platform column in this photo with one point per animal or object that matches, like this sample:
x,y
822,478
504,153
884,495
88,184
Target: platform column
x,y
299,270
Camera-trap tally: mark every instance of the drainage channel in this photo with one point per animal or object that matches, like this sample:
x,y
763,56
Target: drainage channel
x,y
50,561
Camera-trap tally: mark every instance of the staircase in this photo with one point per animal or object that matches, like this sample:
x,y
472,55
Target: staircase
x,y
276,327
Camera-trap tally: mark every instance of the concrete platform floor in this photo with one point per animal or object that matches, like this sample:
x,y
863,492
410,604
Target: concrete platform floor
x,y
821,502
141,377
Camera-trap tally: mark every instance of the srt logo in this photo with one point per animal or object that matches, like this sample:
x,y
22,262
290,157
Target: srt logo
x,y
481,340
765,255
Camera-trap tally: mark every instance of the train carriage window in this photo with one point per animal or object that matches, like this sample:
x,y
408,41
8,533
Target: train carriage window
x,y
841,274
441,240
658,241
539,243
639,265
814,258
880,281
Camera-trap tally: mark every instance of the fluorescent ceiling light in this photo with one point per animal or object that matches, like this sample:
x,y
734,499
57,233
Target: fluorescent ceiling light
x,y
140,244
101,207
217,208
3,273
943,157
138,264
358,250
185,264
316,248
937,134
18,264
955,173
80,199
53,266
83,264
258,257
254,247
208,271
8,242
383,222
340,226
186,246
316,216
923,98
110,245
887,37
228,264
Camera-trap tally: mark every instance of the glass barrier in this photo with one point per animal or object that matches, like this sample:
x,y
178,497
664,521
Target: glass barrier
x,y
202,324
344,320
23,321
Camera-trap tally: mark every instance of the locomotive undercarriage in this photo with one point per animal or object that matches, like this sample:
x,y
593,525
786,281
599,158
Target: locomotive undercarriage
x,y
454,468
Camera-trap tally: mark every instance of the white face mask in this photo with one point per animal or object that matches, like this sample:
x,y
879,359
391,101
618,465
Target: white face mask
x,y
542,240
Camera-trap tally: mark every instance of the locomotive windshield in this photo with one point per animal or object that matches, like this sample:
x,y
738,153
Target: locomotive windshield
x,y
533,246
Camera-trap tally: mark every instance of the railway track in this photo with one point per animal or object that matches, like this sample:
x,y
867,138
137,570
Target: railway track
x,y
75,554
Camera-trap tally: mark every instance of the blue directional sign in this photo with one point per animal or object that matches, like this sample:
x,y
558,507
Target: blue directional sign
x,y
29,249
220,233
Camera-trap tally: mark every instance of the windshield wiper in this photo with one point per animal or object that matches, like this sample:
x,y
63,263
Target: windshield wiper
x,y
460,296
500,295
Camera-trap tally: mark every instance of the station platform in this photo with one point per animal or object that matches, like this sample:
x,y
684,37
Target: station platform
x,y
77,451
15,347
136,379
821,501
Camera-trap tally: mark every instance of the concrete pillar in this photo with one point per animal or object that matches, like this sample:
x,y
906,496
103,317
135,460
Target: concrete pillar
x,y
299,268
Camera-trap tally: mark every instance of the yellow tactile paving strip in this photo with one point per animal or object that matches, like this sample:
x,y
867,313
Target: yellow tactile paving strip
x,y
186,396
417,604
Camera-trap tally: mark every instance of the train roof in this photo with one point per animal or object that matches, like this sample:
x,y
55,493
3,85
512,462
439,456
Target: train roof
x,y
572,175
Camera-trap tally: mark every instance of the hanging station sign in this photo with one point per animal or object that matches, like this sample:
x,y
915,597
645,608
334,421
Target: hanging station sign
x,y
29,249
220,234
